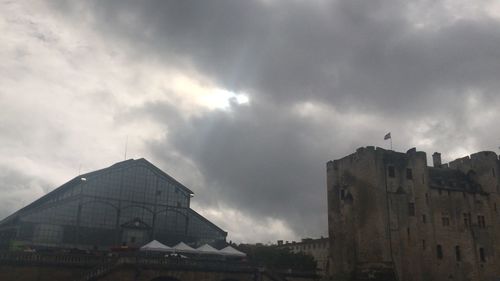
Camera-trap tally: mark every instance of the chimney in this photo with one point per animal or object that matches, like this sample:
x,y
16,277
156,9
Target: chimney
x,y
436,159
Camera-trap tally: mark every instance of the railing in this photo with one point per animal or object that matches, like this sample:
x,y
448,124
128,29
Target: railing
x,y
51,259
100,270
165,263
138,259
100,265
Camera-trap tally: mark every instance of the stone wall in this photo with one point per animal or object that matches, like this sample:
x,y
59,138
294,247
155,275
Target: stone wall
x,y
385,207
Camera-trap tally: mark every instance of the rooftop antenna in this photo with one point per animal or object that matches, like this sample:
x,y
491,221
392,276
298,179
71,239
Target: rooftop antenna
x,y
126,146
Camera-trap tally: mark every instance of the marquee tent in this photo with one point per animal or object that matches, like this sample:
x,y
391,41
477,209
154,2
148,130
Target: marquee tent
x,y
207,249
183,248
230,251
155,246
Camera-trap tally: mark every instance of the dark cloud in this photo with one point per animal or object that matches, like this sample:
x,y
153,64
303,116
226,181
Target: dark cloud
x,y
366,64
339,52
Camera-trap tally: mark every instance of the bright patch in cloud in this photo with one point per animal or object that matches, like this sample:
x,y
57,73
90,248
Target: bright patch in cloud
x,y
206,94
242,228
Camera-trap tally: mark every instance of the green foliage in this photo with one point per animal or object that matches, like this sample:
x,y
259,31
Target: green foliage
x,y
278,258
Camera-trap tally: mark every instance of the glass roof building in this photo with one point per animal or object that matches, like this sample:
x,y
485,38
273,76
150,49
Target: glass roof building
x,y
129,203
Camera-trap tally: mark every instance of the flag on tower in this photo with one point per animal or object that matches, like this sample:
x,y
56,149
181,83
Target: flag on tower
x,y
387,136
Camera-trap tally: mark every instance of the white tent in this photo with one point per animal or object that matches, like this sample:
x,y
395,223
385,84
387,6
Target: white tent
x,y
207,249
183,248
230,251
155,246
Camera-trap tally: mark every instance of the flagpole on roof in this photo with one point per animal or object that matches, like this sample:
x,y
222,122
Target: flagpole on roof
x,y
388,137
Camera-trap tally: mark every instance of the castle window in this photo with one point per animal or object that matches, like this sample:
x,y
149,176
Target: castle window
x,y
446,221
342,194
409,174
427,198
391,171
493,171
482,256
457,253
481,222
439,252
467,219
423,245
424,219
411,209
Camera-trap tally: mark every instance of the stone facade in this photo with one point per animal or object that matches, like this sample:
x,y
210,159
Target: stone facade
x,y
391,214
317,248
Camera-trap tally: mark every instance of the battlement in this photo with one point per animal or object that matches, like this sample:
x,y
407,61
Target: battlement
x,y
486,156
378,152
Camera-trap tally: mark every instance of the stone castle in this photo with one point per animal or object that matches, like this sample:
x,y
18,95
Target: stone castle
x,y
392,217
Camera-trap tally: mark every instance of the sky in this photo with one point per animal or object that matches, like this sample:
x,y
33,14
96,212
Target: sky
x,y
244,102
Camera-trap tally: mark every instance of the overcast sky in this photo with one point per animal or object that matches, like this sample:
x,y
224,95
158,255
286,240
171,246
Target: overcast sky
x,y
242,101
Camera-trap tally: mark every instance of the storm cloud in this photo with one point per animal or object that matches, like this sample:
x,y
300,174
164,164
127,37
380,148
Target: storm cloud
x,y
245,101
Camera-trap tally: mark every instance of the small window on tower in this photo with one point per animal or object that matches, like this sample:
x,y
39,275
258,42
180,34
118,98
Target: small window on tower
x,y
391,171
439,252
409,174
446,221
481,222
457,253
482,256
411,209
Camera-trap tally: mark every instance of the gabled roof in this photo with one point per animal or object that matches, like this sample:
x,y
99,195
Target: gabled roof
x,y
88,176
202,218
162,173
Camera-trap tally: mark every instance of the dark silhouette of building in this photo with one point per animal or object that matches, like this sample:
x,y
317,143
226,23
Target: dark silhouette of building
x,y
392,216
129,203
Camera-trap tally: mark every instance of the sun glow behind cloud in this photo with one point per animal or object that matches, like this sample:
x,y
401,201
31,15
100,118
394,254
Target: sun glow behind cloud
x,y
206,94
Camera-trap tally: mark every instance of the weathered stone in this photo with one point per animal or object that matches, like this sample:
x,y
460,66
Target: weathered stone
x,y
390,214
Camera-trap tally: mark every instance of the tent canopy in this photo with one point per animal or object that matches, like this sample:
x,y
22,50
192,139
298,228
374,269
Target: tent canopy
x,y
183,248
230,251
156,246
207,249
